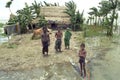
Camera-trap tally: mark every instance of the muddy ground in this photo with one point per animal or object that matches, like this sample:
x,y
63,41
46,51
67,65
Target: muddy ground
x,y
26,54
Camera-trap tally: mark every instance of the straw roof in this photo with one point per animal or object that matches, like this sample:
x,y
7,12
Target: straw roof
x,y
55,13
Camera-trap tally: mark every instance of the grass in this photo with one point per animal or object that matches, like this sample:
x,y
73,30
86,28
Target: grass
x,y
1,25
92,31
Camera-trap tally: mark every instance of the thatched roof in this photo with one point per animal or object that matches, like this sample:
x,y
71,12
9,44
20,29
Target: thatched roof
x,y
55,13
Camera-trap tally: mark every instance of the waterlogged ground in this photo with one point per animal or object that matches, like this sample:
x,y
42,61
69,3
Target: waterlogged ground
x,y
24,61
106,63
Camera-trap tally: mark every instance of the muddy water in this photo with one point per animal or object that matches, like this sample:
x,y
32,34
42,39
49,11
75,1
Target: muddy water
x,y
106,62
54,72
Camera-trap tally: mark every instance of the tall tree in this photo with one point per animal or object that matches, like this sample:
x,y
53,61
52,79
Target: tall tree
x,y
94,10
91,17
36,8
8,4
76,18
109,7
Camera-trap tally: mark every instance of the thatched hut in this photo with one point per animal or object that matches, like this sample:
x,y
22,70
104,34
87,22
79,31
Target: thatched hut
x,y
55,16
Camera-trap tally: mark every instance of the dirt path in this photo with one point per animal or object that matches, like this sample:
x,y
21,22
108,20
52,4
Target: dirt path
x,y
27,54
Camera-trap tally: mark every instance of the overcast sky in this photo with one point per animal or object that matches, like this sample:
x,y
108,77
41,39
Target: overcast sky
x,y
19,4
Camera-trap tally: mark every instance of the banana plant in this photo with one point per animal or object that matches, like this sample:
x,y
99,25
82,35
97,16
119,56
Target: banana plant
x,y
36,8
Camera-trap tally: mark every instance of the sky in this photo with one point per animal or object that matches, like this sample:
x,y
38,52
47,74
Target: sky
x,y
19,4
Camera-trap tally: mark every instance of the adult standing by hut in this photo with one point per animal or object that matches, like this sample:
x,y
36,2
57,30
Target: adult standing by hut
x,y
45,39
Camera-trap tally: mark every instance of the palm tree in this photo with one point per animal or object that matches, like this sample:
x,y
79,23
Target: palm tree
x,y
109,7
116,17
105,8
91,17
8,4
36,8
46,4
79,20
95,13
71,10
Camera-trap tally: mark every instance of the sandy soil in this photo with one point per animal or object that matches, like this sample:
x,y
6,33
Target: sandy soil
x,y
27,54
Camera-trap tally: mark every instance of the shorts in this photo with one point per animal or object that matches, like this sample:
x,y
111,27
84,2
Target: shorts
x,y
82,60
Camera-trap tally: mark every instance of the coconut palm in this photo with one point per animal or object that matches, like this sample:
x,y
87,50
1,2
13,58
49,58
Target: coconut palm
x,y
109,7
8,4
94,12
91,17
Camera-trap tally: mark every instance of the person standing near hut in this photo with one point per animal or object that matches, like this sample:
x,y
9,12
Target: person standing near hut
x,y
58,36
45,39
67,38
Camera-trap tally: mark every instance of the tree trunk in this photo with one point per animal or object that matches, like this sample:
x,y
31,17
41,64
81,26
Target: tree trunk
x,y
90,21
31,26
99,21
111,27
116,24
95,20
10,10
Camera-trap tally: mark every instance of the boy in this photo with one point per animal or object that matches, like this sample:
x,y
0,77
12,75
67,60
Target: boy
x,y
58,36
82,56
67,38
45,39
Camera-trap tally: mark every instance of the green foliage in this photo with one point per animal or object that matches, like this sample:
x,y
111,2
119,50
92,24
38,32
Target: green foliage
x,y
1,25
42,21
46,4
49,4
91,31
108,13
36,8
13,20
8,4
76,18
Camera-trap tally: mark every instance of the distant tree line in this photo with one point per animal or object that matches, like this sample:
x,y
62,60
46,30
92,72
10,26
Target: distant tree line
x,y
106,15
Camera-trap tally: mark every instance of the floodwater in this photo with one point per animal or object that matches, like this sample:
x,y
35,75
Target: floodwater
x,y
104,64
2,38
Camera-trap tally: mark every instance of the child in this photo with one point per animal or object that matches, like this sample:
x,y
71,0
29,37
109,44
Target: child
x,y
82,56
58,36
68,35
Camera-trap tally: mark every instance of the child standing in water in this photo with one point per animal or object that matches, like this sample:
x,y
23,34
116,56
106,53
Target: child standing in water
x,y
82,56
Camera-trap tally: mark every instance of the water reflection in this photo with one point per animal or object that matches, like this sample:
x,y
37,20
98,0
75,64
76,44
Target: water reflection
x,y
106,64
55,72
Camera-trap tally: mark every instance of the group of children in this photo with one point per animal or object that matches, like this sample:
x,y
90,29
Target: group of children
x,y
45,39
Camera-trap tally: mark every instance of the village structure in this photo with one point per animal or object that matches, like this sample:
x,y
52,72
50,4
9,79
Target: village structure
x,y
55,16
